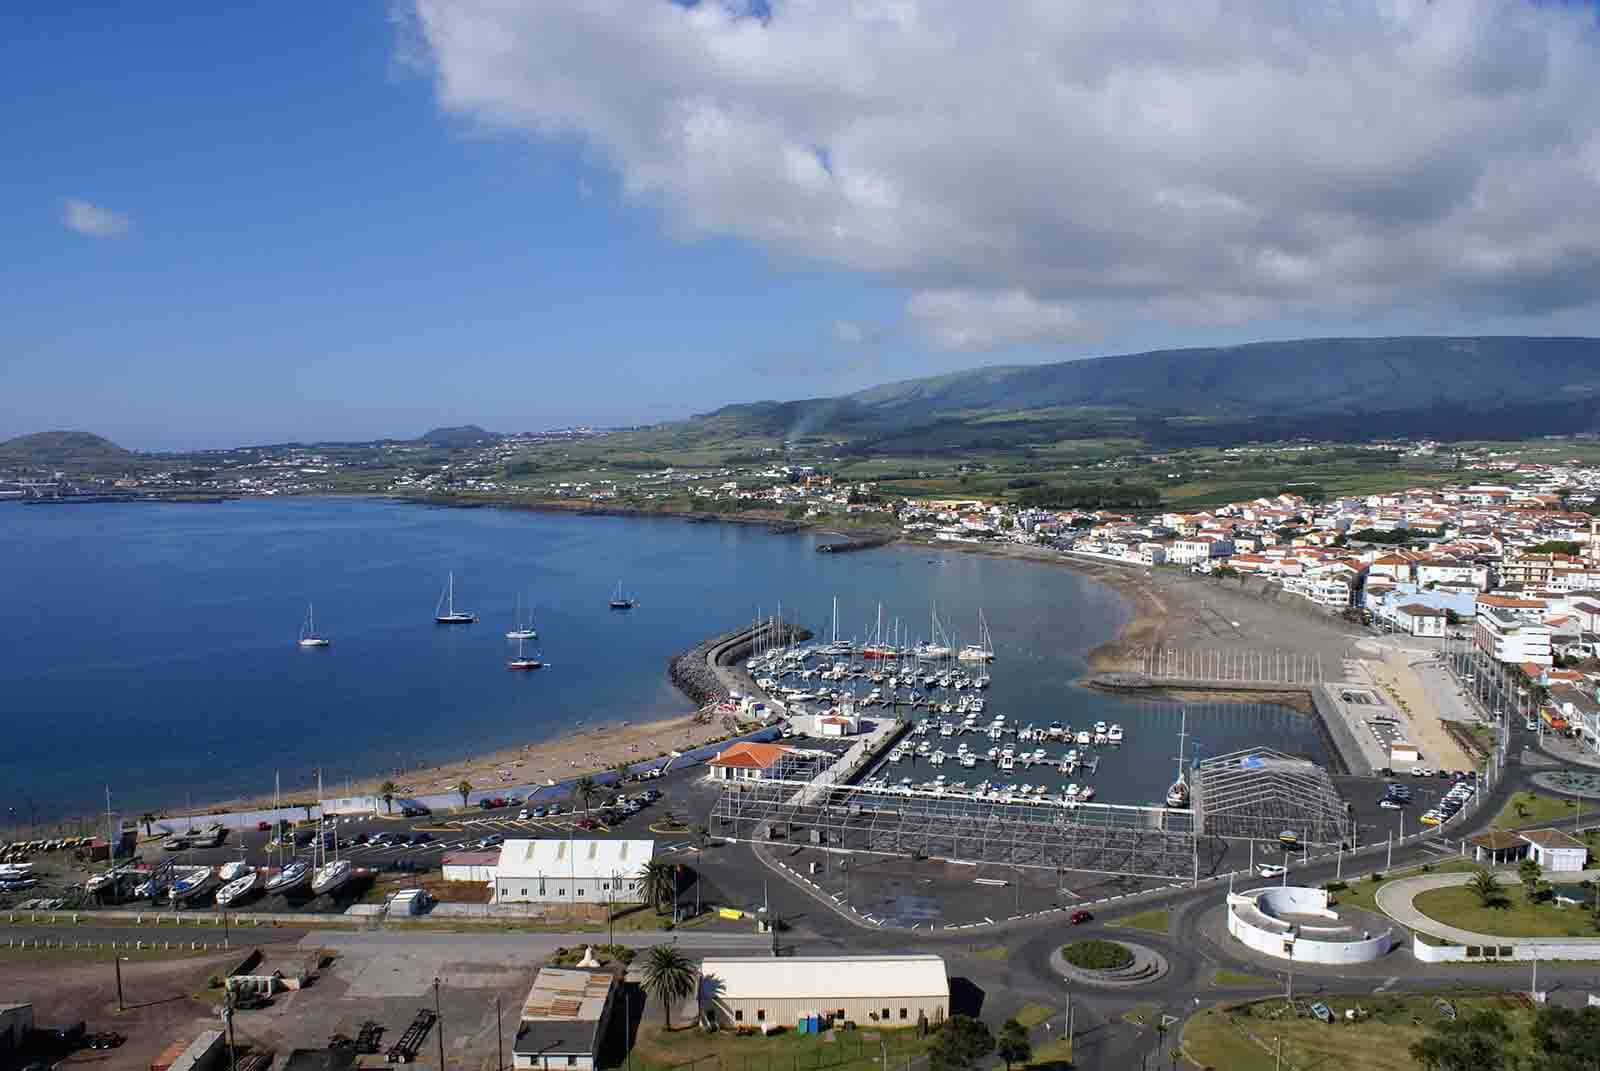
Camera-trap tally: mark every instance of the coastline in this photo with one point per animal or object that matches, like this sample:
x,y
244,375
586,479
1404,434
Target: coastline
x,y
600,747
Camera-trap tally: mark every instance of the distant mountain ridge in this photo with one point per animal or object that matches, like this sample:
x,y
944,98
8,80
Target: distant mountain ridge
x,y
1348,388
461,435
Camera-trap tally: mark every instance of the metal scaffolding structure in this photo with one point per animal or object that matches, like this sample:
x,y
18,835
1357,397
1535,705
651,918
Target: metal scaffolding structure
x,y
1258,793
1145,842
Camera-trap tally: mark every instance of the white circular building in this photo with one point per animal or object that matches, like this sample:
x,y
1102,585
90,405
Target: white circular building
x,y
1295,922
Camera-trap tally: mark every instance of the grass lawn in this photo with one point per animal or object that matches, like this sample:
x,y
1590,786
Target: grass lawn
x,y
852,1050
1057,1053
1363,893
1143,1014
1536,807
1238,979
1515,917
1213,1038
1031,1014
993,953
1155,921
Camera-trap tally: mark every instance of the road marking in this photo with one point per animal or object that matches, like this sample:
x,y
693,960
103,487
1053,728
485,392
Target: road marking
x,y
1386,984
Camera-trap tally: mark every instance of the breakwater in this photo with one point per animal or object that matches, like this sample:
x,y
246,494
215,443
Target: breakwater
x,y
708,673
862,542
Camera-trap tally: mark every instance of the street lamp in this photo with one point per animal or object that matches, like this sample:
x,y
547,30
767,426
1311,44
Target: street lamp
x,y
438,1021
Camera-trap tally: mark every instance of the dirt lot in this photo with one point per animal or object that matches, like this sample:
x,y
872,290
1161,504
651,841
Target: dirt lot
x,y
167,1001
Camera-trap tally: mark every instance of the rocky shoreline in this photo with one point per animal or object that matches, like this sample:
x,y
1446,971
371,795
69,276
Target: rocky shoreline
x,y
701,672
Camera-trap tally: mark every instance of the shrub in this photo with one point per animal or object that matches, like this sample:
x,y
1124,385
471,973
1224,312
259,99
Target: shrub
x,y
1097,955
1377,876
1335,886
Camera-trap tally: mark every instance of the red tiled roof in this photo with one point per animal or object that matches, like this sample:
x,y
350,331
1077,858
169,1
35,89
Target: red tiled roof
x,y
750,756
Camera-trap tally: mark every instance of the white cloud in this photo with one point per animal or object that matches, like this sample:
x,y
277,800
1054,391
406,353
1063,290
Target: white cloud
x,y
92,221
1026,169
969,320
849,333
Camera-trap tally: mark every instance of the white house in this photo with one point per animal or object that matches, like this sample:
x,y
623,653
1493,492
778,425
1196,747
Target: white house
x,y
1420,620
1555,851
563,870
1511,639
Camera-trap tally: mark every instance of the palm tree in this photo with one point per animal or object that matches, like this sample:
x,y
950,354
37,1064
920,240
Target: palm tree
x,y
464,787
147,818
388,790
585,788
1484,885
660,881
669,977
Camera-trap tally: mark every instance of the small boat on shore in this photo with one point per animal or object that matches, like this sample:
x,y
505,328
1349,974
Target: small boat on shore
x,y
241,888
289,879
193,882
332,877
309,636
445,613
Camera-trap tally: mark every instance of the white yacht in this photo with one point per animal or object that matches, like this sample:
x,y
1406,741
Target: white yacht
x,y
1114,733
309,636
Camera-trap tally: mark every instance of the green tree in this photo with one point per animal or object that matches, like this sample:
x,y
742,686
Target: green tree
x,y
1566,1039
960,1044
388,790
1531,874
464,787
1014,1047
585,788
1483,883
669,977
660,881
1480,1042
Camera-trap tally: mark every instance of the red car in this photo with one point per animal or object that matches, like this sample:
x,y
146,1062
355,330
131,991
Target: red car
x,y
1079,917
263,827
588,823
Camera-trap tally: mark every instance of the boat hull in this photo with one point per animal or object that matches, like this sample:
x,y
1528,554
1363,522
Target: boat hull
x,y
455,619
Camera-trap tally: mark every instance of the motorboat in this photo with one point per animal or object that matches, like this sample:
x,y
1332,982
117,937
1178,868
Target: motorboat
x,y
1084,737
233,871
1178,794
241,888
1114,734
290,879
332,877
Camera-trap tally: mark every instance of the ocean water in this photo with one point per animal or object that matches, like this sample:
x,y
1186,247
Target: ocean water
x,y
151,648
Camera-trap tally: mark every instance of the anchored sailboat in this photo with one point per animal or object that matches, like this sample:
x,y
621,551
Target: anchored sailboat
x,y
620,601
309,637
521,630
523,660
445,613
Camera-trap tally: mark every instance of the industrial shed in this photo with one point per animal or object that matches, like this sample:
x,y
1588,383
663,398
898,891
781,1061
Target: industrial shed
x,y
883,990
565,870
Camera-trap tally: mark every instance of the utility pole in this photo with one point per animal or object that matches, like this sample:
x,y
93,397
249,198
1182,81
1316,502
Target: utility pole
x,y
227,1010
438,1021
117,962
499,1037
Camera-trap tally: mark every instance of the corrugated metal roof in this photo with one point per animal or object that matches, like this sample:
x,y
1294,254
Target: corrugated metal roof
x,y
824,978
565,858
559,993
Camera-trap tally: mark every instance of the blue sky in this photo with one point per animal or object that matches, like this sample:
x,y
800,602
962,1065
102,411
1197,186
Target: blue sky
x,y
352,220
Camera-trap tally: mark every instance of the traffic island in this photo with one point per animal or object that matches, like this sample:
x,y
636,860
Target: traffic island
x,y
1114,964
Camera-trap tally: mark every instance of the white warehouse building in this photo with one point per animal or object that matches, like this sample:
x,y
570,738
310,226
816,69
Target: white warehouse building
x,y
882,991
564,870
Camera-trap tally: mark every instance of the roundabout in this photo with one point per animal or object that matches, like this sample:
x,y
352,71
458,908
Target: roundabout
x,y
1112,964
1579,783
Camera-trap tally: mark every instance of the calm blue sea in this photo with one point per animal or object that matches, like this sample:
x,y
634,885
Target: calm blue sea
x,y
152,648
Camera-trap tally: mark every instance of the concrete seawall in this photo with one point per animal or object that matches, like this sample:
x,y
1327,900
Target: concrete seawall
x,y
709,671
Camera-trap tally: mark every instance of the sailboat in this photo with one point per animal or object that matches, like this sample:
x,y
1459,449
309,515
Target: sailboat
x,y
983,650
522,660
296,874
445,613
519,629
331,876
836,646
1178,793
239,888
937,646
619,601
309,636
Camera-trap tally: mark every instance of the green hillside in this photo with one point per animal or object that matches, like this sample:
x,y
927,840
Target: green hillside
x,y
60,448
1334,389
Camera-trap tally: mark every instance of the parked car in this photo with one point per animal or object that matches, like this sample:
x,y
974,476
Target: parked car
x,y
1271,870
540,812
106,1039
523,815
1392,803
1078,918
263,827
420,838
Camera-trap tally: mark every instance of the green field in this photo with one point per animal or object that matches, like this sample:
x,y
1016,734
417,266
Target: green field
x,y
850,1050
1241,1038
1532,808
1153,921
